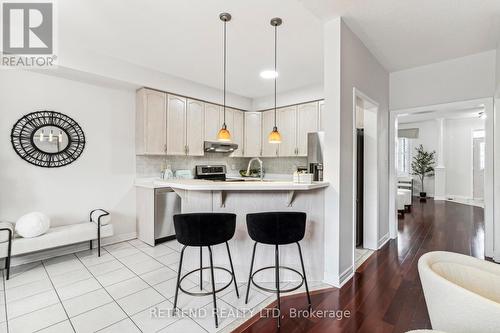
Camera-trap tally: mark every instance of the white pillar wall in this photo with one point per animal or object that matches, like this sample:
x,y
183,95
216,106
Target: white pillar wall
x,y
440,170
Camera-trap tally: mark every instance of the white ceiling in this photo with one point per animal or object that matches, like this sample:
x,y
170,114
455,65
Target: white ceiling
x,y
184,38
444,113
408,33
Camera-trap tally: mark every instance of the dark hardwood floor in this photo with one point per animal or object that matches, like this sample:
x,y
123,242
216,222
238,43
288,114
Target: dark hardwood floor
x,y
385,294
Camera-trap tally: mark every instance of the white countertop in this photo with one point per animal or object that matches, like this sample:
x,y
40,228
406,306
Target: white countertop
x,y
247,185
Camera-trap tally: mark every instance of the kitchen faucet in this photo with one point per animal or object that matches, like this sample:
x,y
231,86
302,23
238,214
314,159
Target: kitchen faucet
x,y
260,166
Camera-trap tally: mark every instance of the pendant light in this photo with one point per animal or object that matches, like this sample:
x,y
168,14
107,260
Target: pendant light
x,y
275,136
224,134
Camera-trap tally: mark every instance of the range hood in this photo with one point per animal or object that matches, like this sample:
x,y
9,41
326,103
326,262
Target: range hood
x,y
220,147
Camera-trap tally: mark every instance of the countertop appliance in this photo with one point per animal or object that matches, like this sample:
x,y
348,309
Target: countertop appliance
x,y
219,147
166,204
211,172
315,143
215,173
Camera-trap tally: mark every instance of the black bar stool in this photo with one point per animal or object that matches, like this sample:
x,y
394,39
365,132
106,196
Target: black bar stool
x,y
204,229
277,228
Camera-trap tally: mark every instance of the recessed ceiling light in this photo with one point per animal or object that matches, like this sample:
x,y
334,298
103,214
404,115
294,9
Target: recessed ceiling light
x,y
268,74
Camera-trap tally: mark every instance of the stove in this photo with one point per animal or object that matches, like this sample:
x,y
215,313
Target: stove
x,y
211,172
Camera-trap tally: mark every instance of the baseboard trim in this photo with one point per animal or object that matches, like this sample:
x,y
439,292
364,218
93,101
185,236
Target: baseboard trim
x,y
382,241
345,276
64,250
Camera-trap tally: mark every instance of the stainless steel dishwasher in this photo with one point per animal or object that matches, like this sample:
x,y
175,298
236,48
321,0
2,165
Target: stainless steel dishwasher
x,y
167,204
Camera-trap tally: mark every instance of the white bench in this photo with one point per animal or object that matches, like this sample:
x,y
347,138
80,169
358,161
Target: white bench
x,y
96,228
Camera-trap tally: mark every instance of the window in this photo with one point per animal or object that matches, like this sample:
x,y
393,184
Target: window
x,y
404,157
482,152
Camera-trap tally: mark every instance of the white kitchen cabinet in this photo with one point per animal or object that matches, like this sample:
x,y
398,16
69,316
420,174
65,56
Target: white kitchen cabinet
x,y
268,149
287,126
212,122
307,122
151,122
238,132
195,123
176,125
252,134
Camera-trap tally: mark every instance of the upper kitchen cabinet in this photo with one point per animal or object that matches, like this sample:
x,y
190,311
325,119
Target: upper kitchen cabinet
x,y
287,126
321,105
195,123
151,122
307,122
268,149
252,134
238,132
212,122
235,126
176,125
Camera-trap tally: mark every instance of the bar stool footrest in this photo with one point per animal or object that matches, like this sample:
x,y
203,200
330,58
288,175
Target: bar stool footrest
x,y
209,292
272,290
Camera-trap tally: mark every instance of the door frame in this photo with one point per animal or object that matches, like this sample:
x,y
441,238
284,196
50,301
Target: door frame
x,y
491,192
370,235
472,163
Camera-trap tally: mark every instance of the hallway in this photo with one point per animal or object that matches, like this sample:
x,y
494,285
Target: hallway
x,y
385,294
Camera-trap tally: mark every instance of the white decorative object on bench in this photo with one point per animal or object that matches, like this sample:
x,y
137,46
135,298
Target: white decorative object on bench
x,y
96,228
32,225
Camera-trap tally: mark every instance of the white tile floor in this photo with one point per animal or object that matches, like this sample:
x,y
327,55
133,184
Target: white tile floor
x,y
117,292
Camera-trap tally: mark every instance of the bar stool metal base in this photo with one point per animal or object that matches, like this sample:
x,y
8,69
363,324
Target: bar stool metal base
x,y
276,268
181,277
209,292
271,290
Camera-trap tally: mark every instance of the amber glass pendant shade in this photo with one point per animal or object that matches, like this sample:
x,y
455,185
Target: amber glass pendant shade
x,y
224,134
274,136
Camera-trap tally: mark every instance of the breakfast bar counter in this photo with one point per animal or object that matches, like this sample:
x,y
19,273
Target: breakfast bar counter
x,y
253,196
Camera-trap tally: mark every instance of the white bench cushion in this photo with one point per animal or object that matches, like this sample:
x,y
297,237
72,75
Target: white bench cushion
x,y
405,195
57,236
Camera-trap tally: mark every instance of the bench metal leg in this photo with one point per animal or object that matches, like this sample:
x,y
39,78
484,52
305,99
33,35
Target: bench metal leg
x,y
9,251
99,238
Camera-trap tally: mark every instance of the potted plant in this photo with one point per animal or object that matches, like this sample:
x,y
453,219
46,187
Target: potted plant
x,y
423,166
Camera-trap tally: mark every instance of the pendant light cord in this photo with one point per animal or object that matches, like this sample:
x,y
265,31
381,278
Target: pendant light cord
x,y
275,69
224,123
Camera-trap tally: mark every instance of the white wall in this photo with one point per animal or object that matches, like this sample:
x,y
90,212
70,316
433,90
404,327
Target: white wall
x,y
349,64
428,137
119,70
104,174
458,156
459,79
296,96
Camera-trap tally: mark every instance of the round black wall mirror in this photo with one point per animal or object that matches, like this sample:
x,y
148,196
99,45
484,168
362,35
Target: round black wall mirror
x,y
48,139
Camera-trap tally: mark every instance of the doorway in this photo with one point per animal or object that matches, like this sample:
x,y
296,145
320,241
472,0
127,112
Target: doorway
x,y
463,147
365,171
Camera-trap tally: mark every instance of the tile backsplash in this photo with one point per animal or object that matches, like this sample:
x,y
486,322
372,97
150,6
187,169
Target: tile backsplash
x,y
150,166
